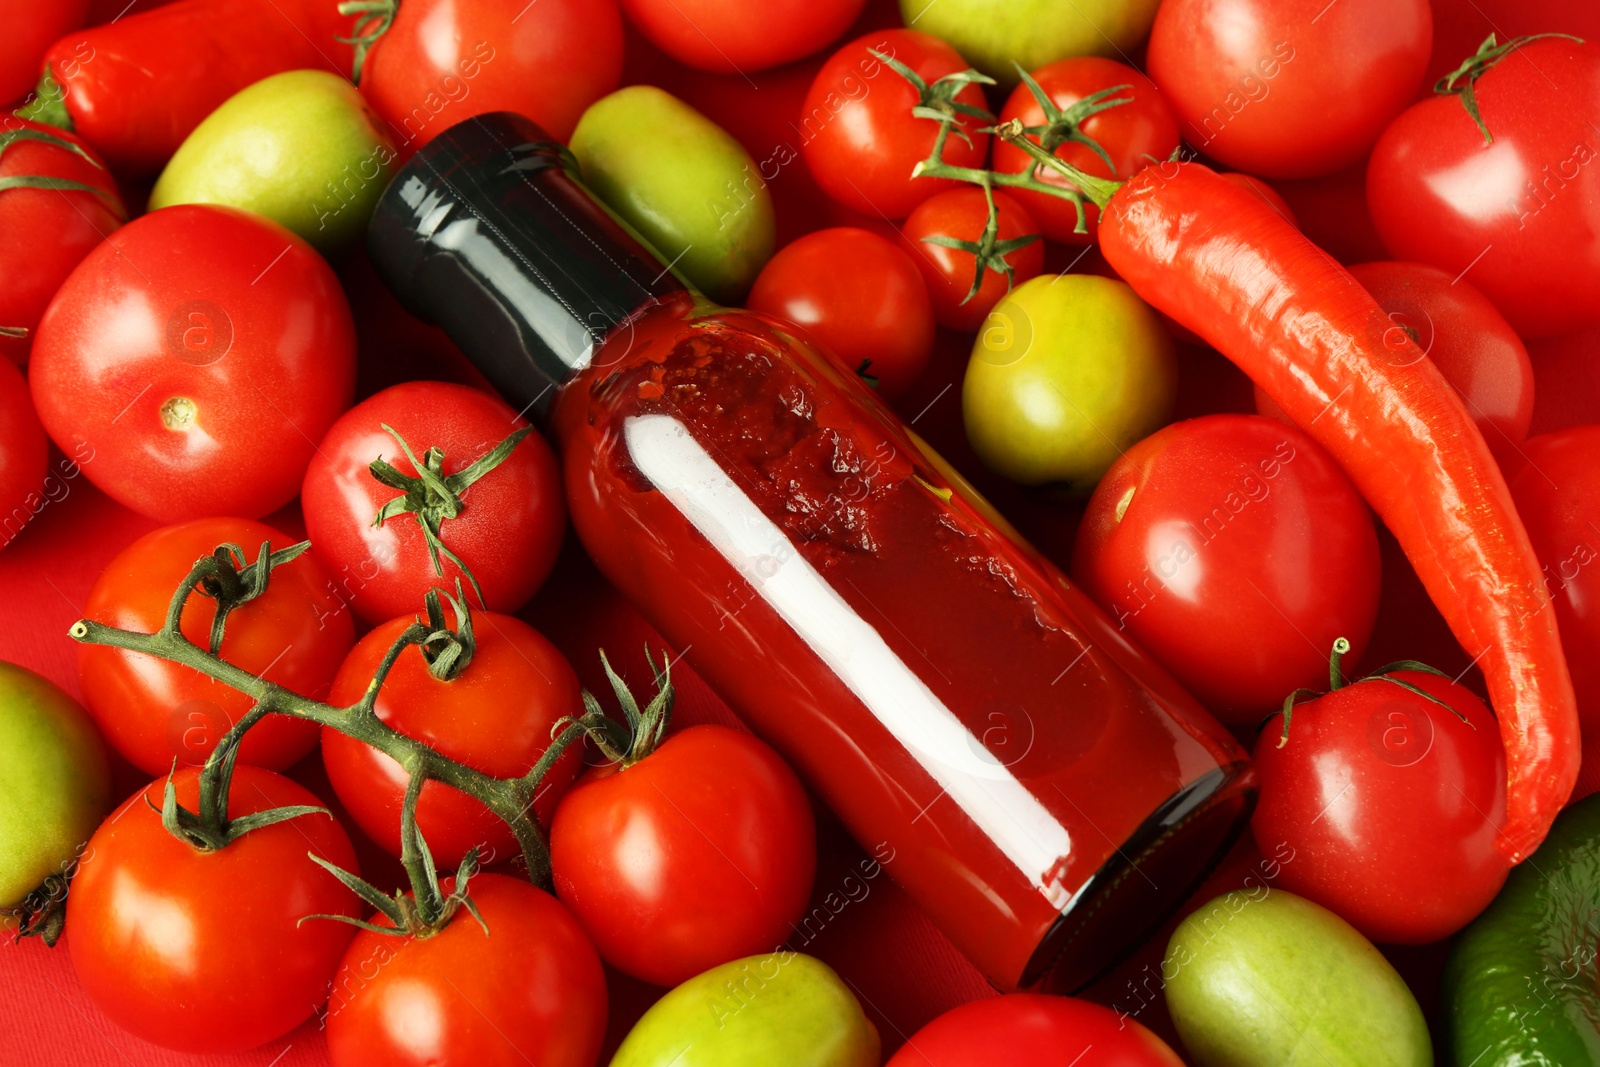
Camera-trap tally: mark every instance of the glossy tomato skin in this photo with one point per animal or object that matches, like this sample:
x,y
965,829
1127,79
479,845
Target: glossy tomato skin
x,y
511,523
203,951
49,231
737,37
1235,550
1514,217
1390,804
857,132
530,991
202,351
443,61
700,853
1132,134
30,29
24,456
495,716
962,214
1288,88
1032,1028
295,634
857,294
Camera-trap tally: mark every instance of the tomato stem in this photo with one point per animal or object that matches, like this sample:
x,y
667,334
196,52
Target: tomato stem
x,y
1337,681
48,104
1461,81
376,16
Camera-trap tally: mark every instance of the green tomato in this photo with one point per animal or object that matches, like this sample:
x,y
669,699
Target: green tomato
x,y
683,183
780,1008
1276,981
1519,989
997,35
55,784
1067,372
301,148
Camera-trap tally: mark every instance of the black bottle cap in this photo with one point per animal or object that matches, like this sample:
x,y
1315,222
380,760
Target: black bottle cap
x,y
487,233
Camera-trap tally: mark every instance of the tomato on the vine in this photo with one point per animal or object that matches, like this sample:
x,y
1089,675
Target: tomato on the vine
x,y
1029,1028
738,37
24,455
962,214
152,711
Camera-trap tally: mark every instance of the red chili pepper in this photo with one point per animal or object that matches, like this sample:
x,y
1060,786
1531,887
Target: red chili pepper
x,y
1224,264
136,87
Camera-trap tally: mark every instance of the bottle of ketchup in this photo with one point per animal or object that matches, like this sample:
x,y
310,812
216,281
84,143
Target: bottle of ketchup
x,y
1043,790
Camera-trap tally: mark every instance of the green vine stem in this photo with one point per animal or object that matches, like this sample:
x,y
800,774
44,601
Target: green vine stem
x,y
1337,681
374,17
1461,81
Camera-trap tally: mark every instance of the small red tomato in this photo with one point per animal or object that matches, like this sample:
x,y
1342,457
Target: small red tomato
x,y
858,134
1133,134
961,215
700,853
1236,551
1390,804
530,991
507,525
738,37
857,294
295,634
24,455
495,716
204,952
1030,1028
30,29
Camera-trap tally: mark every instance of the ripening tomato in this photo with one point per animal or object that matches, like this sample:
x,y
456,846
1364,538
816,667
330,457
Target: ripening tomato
x,y
857,294
1133,134
738,37
24,455
295,634
202,351
30,29
205,951
858,134
961,215
1031,1028
506,527
495,716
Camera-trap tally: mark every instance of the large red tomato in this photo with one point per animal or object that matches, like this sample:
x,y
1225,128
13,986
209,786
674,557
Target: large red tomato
x,y
205,951
202,352
24,456
738,37
1029,1028
295,634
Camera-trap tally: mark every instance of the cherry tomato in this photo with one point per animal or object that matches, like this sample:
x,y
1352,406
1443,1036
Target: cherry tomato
x,y
858,295
1132,134
962,214
509,524
204,951
858,134
737,37
1288,88
202,351
494,716
1390,803
530,991
30,29
49,231
1515,217
295,634
24,455
443,61
1265,191
1235,550
1030,1028
700,853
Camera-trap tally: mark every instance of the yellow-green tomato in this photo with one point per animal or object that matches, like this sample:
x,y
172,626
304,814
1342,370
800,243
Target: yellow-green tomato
x,y
1067,372
781,1008
54,784
1269,979
683,183
997,35
301,148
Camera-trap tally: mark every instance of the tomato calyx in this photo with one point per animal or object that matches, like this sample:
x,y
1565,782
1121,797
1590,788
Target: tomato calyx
x,y
375,18
1461,81
1064,126
208,828
1337,681
48,105
626,743
448,651
937,100
234,584
43,912
42,181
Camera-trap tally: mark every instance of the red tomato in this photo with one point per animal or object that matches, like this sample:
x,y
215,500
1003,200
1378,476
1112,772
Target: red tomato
x,y
1265,191
1390,804
963,213
1235,550
49,230
531,991
295,634
858,134
858,295
443,61
204,951
700,853
202,352
738,37
511,520
1516,216
24,455
1132,134
495,716
1288,88
30,29
1030,1028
